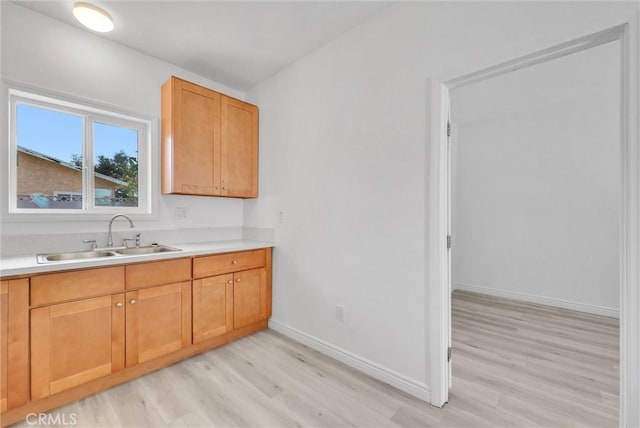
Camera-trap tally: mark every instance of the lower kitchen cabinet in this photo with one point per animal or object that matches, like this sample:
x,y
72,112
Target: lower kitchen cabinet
x,y
250,297
158,321
89,329
212,307
14,343
225,302
73,343
76,342
4,305
230,291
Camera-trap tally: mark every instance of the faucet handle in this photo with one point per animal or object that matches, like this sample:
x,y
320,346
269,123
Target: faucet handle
x,y
125,241
92,242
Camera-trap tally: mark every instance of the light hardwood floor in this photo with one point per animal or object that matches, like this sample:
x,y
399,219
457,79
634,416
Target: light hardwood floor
x,y
515,364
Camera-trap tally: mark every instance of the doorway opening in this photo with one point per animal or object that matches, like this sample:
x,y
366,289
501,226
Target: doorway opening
x,y
440,187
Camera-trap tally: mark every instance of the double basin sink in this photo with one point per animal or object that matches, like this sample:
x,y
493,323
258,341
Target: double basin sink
x,y
105,252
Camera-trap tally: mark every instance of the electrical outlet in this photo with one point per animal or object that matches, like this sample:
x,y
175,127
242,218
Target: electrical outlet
x,y
340,313
181,213
281,217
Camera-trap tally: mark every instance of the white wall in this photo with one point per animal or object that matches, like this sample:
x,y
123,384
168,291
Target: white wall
x,y
44,53
343,155
539,183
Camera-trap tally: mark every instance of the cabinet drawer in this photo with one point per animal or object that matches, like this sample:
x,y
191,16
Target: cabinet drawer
x,y
157,273
65,286
230,262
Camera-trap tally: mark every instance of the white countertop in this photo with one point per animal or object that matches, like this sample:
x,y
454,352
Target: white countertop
x,y
22,265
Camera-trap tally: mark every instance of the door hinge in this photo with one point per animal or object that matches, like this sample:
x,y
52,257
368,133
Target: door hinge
x,y
448,129
448,242
449,354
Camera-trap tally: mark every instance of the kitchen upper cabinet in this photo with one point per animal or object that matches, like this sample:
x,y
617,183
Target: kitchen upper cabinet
x,y
239,148
14,345
75,342
158,321
190,139
209,142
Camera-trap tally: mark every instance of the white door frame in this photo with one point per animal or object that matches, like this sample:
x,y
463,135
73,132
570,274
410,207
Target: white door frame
x,y
439,266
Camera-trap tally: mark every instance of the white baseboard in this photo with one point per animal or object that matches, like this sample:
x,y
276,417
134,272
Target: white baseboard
x,y
532,298
417,389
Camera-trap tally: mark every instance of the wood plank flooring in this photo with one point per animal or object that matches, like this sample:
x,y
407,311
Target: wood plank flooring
x,y
535,365
515,364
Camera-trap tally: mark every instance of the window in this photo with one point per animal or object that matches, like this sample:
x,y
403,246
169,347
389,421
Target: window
x,y
73,158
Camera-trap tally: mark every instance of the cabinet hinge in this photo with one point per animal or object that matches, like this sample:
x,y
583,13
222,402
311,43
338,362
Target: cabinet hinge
x,y
448,129
449,354
448,242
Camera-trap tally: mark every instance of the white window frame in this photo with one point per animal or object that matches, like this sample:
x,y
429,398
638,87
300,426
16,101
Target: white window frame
x,y
90,114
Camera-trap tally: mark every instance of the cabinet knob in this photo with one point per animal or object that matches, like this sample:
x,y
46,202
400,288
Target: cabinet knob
x,y
224,188
235,262
238,280
132,301
230,282
119,305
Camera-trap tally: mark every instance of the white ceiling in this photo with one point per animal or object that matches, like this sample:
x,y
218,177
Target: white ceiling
x,y
236,43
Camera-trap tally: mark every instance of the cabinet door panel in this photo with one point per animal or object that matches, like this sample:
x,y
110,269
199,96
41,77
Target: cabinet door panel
x,y
212,307
194,151
14,343
249,297
200,149
73,343
239,148
158,321
4,305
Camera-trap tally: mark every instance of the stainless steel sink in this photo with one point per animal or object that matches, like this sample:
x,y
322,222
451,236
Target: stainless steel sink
x,y
151,249
78,255
104,252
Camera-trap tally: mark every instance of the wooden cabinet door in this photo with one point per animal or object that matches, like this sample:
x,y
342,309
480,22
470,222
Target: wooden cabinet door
x,y
14,343
191,139
249,297
212,307
4,319
239,148
76,342
158,321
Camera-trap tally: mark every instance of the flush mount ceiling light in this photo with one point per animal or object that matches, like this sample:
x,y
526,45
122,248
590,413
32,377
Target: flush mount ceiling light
x,y
93,17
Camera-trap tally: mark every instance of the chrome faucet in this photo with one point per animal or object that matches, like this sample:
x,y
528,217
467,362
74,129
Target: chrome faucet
x,y
110,236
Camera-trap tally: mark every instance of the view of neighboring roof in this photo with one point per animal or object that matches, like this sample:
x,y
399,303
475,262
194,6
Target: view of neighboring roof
x,y
68,165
